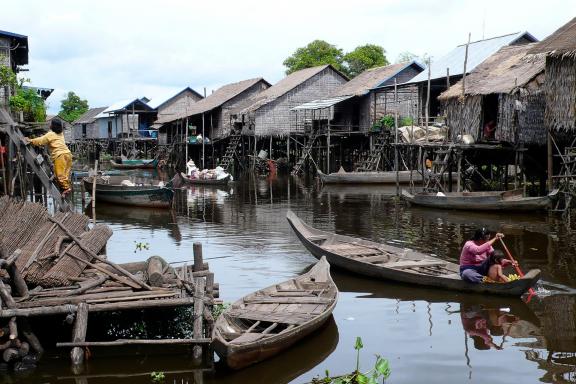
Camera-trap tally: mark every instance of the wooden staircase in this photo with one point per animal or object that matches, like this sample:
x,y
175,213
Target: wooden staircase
x,y
34,160
372,162
440,165
228,157
306,151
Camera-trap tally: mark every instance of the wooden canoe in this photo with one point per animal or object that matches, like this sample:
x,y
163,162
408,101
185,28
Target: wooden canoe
x,y
135,164
110,190
187,180
265,322
384,261
343,177
481,201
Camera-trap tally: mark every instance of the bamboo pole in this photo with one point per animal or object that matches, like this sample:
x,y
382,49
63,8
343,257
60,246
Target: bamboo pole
x,y
427,99
396,165
465,64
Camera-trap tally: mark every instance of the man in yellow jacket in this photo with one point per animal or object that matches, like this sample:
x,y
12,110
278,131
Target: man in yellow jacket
x,y
59,153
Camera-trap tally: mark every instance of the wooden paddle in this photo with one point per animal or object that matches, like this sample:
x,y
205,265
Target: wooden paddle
x,y
515,264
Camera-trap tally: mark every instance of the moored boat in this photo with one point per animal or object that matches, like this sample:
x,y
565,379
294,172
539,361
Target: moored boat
x,y
115,189
383,261
204,181
389,177
135,164
265,322
481,201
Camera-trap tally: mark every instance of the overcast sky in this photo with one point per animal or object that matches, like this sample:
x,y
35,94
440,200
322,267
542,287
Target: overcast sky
x,y
106,51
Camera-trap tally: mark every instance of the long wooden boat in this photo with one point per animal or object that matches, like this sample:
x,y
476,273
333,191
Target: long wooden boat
x,y
389,177
111,190
188,180
270,320
482,201
135,164
384,261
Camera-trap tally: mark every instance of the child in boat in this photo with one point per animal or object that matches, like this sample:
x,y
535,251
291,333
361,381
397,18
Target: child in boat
x,y
496,262
474,256
59,153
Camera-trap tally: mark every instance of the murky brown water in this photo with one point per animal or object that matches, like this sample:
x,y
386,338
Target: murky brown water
x,y
427,335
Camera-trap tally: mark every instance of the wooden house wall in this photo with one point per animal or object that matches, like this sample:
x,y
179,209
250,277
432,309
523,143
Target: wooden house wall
x,y
276,118
464,118
531,126
403,76
408,103
225,122
178,105
560,88
506,128
4,61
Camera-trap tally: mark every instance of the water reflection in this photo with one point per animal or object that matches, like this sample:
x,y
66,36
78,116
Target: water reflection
x,y
428,335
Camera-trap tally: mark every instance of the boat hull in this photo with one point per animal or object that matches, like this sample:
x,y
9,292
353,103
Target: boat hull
x,y
514,288
159,197
190,181
239,354
135,164
480,201
372,177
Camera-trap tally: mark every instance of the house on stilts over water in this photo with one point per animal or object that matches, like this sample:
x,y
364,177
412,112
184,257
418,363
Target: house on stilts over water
x,y
495,120
341,126
267,118
559,52
203,131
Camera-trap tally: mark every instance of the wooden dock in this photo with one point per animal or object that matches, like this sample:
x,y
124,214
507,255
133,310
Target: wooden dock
x,y
53,265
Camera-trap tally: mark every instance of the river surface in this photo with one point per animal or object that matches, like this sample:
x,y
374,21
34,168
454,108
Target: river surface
x,y
428,335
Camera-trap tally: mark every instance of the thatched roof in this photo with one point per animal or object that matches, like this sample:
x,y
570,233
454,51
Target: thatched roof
x,y
560,43
371,78
504,71
478,51
215,100
284,86
89,116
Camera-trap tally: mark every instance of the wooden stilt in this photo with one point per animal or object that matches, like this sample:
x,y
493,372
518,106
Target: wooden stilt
x,y
79,333
198,327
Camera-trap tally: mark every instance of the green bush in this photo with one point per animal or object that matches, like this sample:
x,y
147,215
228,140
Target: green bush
x,y
406,121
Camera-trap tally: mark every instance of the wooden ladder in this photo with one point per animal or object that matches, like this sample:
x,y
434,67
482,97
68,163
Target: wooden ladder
x,y
439,166
35,161
372,162
306,152
228,157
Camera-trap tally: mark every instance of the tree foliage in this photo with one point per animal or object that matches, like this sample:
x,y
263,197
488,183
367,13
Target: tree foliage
x,y
28,101
364,57
407,57
72,107
318,52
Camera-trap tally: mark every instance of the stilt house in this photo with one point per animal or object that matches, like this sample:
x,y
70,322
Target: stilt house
x,y
13,54
444,72
351,107
270,112
87,126
175,105
502,99
559,50
210,117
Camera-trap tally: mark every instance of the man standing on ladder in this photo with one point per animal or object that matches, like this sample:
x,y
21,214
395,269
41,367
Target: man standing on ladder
x,y
59,153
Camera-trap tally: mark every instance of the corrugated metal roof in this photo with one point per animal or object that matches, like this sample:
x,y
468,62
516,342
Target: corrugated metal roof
x,y
478,51
503,72
321,104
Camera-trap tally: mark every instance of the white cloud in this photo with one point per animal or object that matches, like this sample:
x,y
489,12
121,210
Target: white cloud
x,y
112,50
